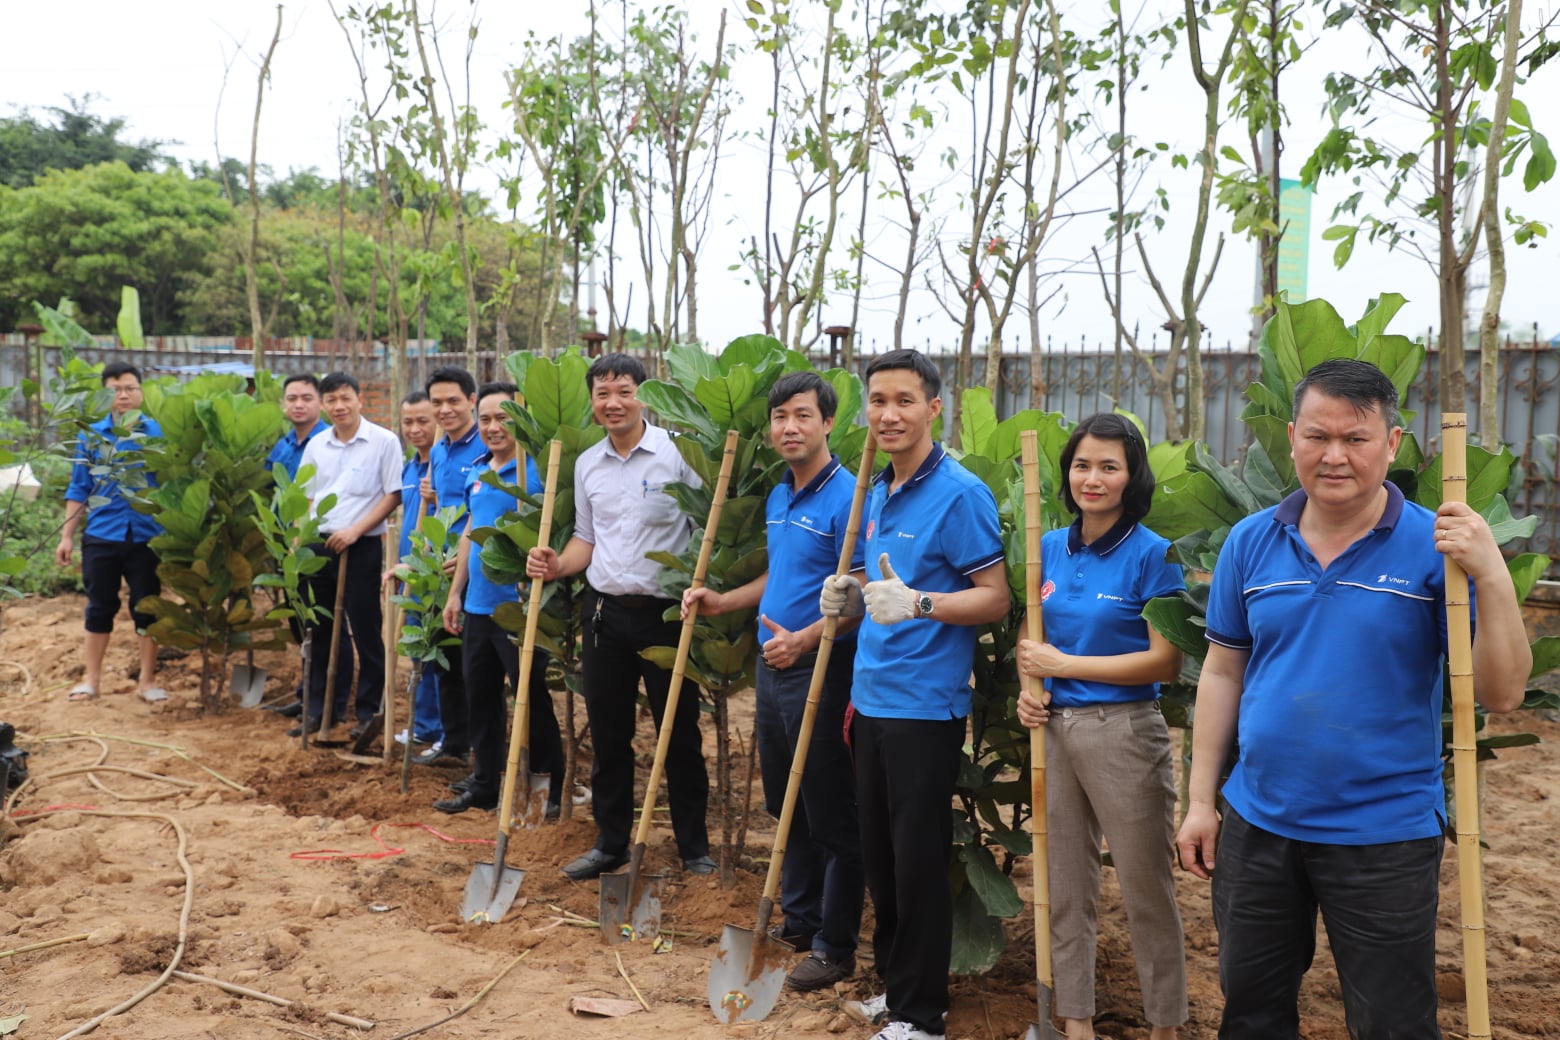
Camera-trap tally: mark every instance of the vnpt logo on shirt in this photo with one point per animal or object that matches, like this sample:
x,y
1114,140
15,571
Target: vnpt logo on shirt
x,y
1106,595
1387,579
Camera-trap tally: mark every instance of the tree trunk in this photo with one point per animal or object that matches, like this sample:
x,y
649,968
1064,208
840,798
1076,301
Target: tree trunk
x,y
252,244
1489,324
1450,276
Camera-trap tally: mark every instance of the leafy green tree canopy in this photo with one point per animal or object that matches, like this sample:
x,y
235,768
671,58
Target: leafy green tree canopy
x,y
74,137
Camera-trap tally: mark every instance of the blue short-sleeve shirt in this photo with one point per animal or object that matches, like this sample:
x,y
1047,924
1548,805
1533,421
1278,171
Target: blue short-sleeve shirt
x,y
938,529
288,451
411,499
1340,716
450,463
113,520
485,504
1093,597
806,531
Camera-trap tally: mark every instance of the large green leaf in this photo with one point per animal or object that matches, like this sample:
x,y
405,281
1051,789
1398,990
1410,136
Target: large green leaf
x,y
676,406
978,938
1178,621
1546,656
1526,569
996,889
689,363
725,397
977,422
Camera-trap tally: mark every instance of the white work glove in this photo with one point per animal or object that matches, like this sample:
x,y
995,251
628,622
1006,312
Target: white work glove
x,y
889,600
841,597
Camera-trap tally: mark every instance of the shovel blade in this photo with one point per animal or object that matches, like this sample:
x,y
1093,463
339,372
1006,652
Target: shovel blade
x,y
490,892
630,912
248,685
531,801
1045,1028
747,975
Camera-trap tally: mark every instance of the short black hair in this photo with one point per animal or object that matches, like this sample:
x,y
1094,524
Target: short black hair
x,y
915,361
1138,495
608,366
415,397
338,381
793,383
302,377
1360,383
115,369
499,387
451,374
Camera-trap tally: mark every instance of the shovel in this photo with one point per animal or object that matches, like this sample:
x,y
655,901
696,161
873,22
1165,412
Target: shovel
x,y
750,967
322,738
1459,644
492,887
248,683
1044,1027
630,902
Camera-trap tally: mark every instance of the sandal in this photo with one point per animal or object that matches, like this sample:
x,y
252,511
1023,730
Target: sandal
x,y
154,695
81,693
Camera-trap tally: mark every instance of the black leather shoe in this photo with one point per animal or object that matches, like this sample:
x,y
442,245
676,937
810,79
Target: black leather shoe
x,y
463,785
441,757
466,800
290,710
700,865
593,864
554,810
297,731
801,942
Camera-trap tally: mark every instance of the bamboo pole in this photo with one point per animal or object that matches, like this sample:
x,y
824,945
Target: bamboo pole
x,y
1454,488
1038,825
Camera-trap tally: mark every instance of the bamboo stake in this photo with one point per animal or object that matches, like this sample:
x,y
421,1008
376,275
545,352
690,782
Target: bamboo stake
x,y
269,998
1470,870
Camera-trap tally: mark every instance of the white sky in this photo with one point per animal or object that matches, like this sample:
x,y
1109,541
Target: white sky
x,y
160,65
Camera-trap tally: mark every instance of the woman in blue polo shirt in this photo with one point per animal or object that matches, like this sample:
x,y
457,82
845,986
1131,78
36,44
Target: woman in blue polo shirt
x,y
1107,746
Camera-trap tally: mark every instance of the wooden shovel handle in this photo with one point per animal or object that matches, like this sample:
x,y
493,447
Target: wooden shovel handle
x,y
685,639
793,785
1038,826
520,730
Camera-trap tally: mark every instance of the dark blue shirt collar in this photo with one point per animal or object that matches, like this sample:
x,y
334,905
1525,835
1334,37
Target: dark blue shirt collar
x,y
469,436
1102,545
320,426
885,475
1289,510
816,482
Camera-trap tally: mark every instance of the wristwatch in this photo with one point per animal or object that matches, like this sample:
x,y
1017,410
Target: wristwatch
x,y
923,604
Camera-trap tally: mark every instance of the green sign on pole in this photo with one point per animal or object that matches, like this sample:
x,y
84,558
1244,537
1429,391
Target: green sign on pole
x,y
1294,217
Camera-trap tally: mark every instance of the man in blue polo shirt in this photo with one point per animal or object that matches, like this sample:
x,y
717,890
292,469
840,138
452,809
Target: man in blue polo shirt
x,y
934,557
489,650
418,430
1326,634
451,463
113,547
821,880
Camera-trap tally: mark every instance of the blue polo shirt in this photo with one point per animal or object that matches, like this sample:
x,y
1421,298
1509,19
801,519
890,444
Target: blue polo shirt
x,y
411,494
288,452
938,529
1340,718
112,520
485,504
1093,599
806,531
451,463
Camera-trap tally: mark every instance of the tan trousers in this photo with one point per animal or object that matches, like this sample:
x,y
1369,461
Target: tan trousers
x,y
1108,773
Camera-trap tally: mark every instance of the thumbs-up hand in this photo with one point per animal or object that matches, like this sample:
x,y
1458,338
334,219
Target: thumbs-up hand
x,y
889,600
784,647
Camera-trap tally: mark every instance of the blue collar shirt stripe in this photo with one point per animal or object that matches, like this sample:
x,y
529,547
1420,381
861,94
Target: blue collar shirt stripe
x,y
623,510
806,531
112,520
1340,714
938,529
1093,598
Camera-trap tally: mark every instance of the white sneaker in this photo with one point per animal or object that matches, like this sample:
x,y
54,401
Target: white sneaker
x,y
400,738
905,1031
871,1012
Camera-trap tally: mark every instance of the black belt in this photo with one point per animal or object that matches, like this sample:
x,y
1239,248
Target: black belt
x,y
637,602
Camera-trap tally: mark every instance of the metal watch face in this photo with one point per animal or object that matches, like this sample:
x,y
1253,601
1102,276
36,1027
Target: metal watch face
x,y
923,605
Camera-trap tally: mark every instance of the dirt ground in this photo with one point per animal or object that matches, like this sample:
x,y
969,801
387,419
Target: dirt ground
x,y
372,929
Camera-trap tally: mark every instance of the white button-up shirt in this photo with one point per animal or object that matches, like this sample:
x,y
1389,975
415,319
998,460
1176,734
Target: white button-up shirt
x,y
359,472
622,509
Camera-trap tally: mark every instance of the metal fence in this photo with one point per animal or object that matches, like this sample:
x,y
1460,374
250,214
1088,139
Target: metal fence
x,y
1075,383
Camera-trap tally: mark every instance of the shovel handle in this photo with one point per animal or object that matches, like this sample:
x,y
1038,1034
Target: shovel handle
x,y
1459,643
684,643
1038,826
793,784
520,730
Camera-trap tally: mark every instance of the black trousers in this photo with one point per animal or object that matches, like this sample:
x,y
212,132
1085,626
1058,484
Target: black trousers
x,y
1379,903
364,559
614,633
454,705
490,656
104,565
905,772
